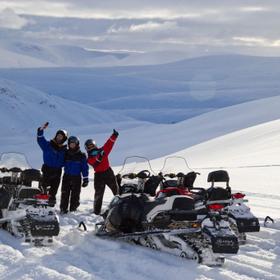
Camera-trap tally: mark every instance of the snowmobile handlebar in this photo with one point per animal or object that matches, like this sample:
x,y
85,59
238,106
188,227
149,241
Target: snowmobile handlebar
x,y
13,170
144,174
178,175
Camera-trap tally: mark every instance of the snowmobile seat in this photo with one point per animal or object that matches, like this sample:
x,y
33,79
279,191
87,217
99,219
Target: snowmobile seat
x,y
189,179
169,184
218,176
151,185
199,194
30,175
4,199
183,203
218,193
27,192
126,215
184,209
6,180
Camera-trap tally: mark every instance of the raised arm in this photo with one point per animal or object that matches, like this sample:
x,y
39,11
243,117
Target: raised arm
x,y
110,143
41,140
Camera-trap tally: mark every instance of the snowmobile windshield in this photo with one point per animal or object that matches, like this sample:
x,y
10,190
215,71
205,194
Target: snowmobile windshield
x,y
175,165
10,160
134,165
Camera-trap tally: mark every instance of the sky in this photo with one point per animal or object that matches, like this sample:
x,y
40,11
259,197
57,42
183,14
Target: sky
x,y
196,27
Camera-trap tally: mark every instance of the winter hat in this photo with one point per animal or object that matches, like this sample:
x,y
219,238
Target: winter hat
x,y
63,133
90,144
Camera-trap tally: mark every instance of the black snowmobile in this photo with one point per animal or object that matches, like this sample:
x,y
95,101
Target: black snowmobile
x,y
167,223
24,210
230,205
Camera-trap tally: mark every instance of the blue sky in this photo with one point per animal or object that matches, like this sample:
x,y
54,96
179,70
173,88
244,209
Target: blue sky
x,y
159,25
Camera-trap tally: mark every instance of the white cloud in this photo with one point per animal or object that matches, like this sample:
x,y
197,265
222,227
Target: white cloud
x,y
9,19
258,41
254,9
145,27
150,25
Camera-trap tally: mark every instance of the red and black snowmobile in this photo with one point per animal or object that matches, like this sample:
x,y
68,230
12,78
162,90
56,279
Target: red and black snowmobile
x,y
216,198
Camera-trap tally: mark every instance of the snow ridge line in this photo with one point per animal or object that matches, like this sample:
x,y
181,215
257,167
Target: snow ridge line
x,y
237,167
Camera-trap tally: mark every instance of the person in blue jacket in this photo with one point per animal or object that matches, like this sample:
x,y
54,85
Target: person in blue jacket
x,y
75,165
53,157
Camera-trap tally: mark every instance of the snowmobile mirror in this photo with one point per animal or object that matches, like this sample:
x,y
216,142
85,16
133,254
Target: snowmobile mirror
x,y
4,169
180,174
144,174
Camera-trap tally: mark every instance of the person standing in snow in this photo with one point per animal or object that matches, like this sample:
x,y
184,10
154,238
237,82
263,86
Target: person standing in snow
x,y
53,157
75,164
104,175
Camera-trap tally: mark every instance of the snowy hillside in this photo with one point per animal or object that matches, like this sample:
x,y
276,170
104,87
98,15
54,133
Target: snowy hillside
x,y
161,93
10,59
35,54
21,105
20,54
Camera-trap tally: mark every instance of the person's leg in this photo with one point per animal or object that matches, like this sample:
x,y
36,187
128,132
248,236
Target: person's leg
x,y
99,187
65,193
55,181
46,182
75,193
111,181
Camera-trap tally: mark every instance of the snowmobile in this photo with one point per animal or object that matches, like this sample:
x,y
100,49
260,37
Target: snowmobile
x,y
168,223
24,209
229,204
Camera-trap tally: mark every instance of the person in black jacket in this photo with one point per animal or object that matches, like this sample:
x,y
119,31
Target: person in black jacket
x,y
53,156
75,164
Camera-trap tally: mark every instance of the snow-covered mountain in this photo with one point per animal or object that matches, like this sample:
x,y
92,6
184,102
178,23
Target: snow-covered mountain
x,y
21,54
21,105
23,108
161,93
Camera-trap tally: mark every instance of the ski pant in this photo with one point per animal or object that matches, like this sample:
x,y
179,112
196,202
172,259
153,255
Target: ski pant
x,y
51,179
71,189
101,179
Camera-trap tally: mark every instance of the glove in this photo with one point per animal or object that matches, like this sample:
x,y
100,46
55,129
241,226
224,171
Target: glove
x,y
85,182
115,133
44,126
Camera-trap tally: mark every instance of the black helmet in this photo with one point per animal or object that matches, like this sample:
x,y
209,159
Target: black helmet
x,y
90,145
73,139
63,133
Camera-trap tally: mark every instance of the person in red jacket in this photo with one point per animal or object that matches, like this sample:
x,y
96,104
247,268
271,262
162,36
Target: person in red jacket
x,y
104,175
